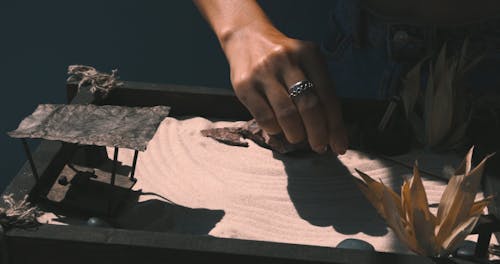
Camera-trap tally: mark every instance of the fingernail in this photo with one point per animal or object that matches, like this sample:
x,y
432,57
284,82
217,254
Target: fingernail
x,y
322,150
339,150
344,148
325,149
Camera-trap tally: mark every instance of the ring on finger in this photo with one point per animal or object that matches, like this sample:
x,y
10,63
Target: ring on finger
x,y
299,88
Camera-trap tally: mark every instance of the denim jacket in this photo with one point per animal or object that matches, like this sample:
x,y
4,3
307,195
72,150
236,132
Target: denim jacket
x,y
368,55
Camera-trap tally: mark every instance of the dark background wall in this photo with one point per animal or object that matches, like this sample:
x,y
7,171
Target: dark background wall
x,y
150,41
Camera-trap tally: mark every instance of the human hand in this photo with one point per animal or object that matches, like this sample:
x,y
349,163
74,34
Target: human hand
x,y
264,63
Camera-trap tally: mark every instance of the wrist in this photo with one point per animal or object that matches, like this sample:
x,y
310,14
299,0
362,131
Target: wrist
x,y
247,33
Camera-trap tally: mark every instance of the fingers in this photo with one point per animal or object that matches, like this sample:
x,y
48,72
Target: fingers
x,y
315,68
258,107
285,111
310,111
261,81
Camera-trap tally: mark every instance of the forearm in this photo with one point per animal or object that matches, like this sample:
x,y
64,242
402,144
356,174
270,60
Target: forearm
x,y
229,17
264,63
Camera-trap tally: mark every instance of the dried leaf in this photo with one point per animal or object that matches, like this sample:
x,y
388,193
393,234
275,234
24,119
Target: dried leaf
x,y
424,231
428,110
409,215
458,235
394,219
439,100
451,190
469,187
462,200
465,165
471,64
377,188
372,195
406,203
424,221
445,118
441,64
449,194
411,87
478,207
417,191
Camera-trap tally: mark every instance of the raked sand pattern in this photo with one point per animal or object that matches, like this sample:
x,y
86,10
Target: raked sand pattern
x,y
306,199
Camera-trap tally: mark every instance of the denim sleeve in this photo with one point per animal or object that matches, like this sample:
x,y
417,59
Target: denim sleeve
x,y
357,72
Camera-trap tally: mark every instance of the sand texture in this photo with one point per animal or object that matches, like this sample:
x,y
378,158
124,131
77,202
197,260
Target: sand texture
x,y
193,184
253,193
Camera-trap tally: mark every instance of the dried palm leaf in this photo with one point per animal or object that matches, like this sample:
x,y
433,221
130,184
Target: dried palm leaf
x,y
444,120
411,84
411,220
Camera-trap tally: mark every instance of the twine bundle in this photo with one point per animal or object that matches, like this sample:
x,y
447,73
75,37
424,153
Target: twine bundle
x,y
97,82
18,213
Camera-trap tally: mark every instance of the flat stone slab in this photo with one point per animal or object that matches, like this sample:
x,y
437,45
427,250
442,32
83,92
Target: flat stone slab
x,y
107,125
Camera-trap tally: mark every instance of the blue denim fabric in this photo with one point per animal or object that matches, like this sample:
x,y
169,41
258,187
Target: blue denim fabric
x,y
374,68
357,73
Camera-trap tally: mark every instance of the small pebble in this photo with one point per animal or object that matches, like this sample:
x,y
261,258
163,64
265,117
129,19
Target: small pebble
x,y
495,250
97,222
352,243
467,249
63,180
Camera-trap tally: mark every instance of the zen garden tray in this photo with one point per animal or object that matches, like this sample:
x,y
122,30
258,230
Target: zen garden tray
x,y
41,179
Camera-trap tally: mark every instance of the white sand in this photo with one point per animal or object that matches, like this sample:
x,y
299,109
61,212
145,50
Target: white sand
x,y
252,194
309,199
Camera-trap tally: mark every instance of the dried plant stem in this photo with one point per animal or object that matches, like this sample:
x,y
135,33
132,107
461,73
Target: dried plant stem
x,y
97,82
19,214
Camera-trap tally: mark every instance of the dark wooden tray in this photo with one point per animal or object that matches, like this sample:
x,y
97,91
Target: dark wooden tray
x,y
83,244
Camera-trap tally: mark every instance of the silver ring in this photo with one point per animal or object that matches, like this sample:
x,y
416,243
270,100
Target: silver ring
x,y
299,88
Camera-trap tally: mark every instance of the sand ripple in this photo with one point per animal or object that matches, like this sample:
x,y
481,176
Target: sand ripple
x,y
309,199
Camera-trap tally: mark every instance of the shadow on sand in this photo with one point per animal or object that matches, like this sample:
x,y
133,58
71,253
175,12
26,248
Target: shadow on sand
x,y
160,215
324,194
155,214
